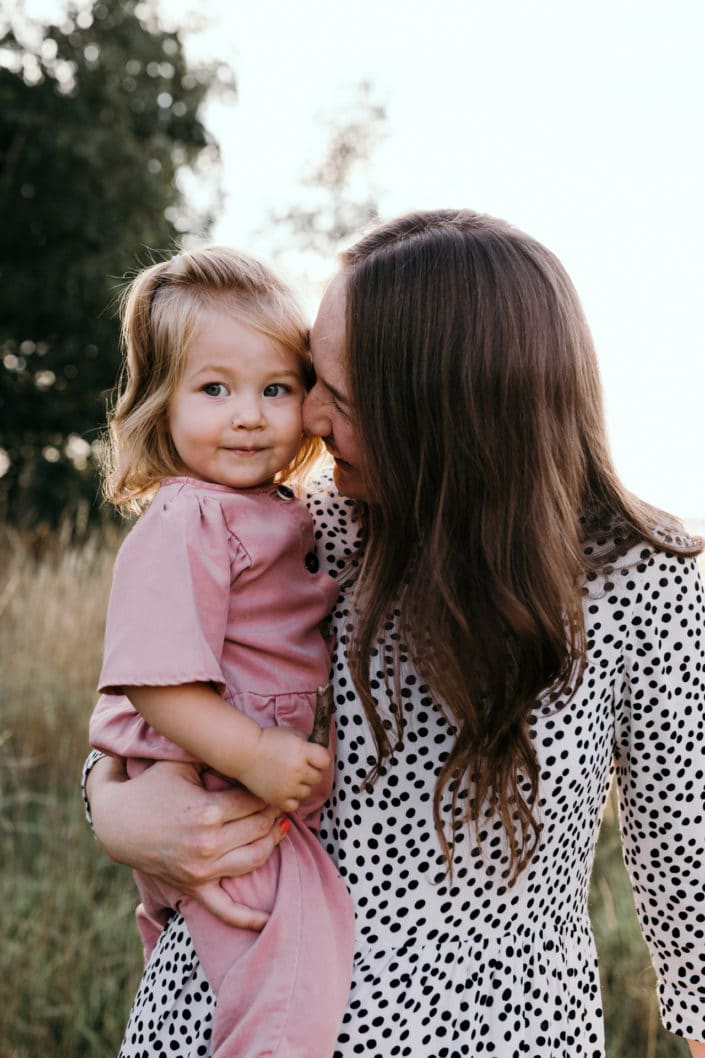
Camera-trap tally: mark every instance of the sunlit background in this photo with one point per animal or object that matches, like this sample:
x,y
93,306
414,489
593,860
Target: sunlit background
x,y
283,129
580,122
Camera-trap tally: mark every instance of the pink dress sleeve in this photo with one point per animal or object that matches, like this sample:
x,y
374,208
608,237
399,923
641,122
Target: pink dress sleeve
x,y
170,597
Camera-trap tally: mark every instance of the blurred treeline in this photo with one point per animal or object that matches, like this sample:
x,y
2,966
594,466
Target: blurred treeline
x,y
97,117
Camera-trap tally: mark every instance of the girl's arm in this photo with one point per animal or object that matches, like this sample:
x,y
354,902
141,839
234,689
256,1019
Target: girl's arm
x,y
165,823
275,763
697,1050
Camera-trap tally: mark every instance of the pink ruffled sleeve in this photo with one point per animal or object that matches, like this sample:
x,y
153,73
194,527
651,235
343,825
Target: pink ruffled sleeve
x,y
169,602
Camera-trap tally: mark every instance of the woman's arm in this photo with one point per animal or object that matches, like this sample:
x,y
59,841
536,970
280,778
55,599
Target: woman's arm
x,y
165,823
659,762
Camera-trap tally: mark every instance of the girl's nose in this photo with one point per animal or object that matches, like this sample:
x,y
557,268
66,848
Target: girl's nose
x,y
247,414
315,418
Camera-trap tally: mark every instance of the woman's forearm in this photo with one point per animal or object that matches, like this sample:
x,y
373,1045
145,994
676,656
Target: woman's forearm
x,y
165,823
103,783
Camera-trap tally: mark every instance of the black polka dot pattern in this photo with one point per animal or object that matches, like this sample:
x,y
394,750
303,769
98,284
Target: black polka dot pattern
x,y
467,965
173,1009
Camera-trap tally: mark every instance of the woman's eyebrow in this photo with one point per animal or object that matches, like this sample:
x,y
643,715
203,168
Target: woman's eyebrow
x,y
336,394
340,397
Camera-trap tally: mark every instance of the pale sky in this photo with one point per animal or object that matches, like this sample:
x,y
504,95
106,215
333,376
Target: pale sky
x,y
581,121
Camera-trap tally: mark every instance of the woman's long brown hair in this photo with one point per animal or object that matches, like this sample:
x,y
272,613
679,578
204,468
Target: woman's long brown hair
x,y
486,462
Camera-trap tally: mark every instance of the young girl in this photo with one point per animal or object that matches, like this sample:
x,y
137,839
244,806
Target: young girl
x,y
213,650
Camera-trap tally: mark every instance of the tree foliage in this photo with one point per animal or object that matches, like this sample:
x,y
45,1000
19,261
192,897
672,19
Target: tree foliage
x,y
96,120
338,199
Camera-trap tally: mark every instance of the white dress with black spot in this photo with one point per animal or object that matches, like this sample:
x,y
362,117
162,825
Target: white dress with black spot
x,y
470,966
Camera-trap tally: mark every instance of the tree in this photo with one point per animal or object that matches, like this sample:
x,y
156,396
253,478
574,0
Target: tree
x,y
96,120
338,198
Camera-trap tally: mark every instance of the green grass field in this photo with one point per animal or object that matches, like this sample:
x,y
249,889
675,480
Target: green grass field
x,y
70,957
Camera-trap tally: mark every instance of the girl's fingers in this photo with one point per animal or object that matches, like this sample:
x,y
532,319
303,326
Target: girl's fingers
x,y
310,778
319,757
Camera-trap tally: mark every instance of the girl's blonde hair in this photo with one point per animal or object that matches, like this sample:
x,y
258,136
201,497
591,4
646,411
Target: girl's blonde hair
x,y
160,311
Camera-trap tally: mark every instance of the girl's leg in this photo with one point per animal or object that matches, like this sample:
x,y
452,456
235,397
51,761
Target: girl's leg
x,y
285,991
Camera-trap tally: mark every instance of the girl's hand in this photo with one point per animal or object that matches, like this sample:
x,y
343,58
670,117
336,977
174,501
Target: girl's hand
x,y
165,823
284,768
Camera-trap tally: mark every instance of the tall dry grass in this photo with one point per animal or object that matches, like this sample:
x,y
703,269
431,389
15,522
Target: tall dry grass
x,y
52,614
69,958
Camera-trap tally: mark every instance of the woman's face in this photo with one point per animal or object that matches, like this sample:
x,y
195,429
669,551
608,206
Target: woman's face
x,y
327,411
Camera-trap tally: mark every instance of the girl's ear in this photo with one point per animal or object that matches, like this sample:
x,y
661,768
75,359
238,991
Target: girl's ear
x,y
162,435
163,421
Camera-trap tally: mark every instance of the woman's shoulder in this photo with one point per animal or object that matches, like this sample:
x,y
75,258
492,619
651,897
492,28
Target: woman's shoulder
x,y
642,568
337,523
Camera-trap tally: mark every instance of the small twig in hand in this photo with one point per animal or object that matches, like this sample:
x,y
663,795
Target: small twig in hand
x,y
324,712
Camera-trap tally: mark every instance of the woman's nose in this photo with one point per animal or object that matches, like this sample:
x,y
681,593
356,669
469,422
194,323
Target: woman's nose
x,y
315,419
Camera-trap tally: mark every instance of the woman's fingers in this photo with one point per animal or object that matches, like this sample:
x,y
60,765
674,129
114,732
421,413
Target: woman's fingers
x,y
240,858
217,901
166,823
233,863
237,803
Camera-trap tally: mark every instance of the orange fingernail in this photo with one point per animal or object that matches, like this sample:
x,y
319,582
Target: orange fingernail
x,y
284,827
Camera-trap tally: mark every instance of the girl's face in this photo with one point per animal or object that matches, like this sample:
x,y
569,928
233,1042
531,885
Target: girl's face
x,y
235,417
327,410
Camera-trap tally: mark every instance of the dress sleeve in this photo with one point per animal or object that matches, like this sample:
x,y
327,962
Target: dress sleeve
x,y
92,759
660,767
169,602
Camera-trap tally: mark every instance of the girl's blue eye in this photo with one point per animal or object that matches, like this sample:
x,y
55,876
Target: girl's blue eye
x,y
215,389
275,389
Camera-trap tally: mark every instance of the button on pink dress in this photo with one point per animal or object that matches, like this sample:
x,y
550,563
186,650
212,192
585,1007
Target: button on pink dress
x,y
219,586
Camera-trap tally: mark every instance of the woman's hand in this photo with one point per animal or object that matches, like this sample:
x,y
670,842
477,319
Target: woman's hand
x,y
165,823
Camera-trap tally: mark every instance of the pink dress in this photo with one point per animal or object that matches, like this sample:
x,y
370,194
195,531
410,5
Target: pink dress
x,y
223,587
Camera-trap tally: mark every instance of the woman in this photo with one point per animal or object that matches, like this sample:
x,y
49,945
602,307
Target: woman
x,y
513,628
